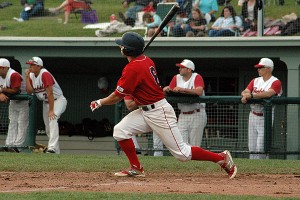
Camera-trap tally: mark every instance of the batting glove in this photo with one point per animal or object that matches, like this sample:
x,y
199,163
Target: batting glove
x,y
95,104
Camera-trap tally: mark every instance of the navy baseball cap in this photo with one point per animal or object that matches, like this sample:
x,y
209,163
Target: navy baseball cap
x,y
131,41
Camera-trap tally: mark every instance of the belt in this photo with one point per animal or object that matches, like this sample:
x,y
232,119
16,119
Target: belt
x,y
258,114
191,112
48,102
148,107
154,105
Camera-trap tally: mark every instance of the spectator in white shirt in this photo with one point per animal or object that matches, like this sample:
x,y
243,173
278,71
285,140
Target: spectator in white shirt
x,y
227,24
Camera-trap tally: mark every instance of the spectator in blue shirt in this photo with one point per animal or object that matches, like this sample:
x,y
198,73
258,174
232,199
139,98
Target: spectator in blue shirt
x,y
208,8
30,8
152,22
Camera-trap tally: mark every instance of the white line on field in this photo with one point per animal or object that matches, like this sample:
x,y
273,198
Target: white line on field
x,y
126,182
32,190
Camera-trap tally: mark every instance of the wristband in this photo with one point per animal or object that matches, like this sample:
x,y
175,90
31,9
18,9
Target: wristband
x,y
98,103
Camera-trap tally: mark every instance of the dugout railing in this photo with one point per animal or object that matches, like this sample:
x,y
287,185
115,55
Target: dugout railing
x,y
30,140
227,125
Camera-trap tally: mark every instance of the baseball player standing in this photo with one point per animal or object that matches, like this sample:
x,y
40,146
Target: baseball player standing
x,y
265,86
11,82
192,118
43,84
140,80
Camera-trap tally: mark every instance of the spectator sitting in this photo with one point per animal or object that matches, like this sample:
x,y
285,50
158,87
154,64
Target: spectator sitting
x,y
185,8
208,8
194,26
130,15
30,8
227,24
152,21
71,5
249,14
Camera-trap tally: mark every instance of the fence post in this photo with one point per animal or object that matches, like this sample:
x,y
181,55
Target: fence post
x,y
31,131
268,125
260,19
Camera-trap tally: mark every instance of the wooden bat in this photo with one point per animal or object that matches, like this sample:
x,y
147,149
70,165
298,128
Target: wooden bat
x,y
165,21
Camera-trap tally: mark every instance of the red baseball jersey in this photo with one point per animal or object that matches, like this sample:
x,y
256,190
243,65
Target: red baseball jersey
x,y
140,80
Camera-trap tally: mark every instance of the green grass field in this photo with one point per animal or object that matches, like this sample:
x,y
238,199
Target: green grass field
x,y
49,26
27,162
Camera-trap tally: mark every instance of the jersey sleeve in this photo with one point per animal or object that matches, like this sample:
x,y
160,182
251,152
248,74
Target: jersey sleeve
x,y
173,83
15,80
276,86
47,79
250,86
199,81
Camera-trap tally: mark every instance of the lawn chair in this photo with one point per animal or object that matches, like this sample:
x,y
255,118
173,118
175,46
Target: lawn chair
x,y
79,10
162,10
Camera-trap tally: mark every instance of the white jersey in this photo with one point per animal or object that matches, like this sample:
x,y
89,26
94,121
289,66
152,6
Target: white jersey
x,y
6,83
190,84
39,86
259,85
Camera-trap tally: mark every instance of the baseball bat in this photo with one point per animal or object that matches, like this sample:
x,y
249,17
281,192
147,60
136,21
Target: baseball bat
x,y
165,21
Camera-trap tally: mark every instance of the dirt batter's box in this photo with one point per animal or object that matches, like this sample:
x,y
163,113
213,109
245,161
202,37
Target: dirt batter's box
x,y
31,131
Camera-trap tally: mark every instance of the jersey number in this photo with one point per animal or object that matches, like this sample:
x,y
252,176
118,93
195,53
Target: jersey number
x,y
45,95
154,74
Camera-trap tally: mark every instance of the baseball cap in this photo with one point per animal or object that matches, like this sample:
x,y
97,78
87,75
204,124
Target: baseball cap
x,y
4,62
265,62
131,40
35,61
186,63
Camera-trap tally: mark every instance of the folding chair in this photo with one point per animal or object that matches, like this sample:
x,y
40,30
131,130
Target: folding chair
x,y
162,10
79,10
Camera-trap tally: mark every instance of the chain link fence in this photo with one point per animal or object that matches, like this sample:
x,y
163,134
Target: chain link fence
x,y
227,125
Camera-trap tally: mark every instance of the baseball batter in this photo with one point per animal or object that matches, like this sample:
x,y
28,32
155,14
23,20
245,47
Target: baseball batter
x,y
43,84
264,86
140,80
11,82
192,118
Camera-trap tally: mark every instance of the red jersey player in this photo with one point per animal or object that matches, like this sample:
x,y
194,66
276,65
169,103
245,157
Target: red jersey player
x,y
139,79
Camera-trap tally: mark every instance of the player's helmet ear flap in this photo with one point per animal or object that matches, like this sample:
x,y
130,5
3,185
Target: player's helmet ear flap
x,y
133,44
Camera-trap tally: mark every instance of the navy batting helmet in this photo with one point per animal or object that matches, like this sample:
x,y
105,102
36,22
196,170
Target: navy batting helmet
x,y
132,42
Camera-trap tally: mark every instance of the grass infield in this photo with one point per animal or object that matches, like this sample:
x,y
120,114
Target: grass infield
x,y
34,162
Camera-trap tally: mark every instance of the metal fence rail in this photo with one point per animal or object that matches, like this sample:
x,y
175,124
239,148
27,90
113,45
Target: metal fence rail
x,y
227,125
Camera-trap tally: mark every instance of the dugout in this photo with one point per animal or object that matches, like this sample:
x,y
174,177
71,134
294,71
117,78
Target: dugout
x,y
226,65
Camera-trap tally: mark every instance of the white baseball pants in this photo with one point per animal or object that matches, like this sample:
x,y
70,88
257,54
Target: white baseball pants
x,y
162,120
18,123
51,126
191,127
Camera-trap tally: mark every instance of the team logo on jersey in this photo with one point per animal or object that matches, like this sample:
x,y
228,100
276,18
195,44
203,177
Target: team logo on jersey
x,y
256,90
120,89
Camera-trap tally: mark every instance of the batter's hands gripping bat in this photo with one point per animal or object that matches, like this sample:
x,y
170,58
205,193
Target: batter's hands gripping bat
x,y
165,21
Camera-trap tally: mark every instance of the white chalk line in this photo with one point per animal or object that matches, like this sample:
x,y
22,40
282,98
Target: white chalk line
x,y
60,188
32,190
116,183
